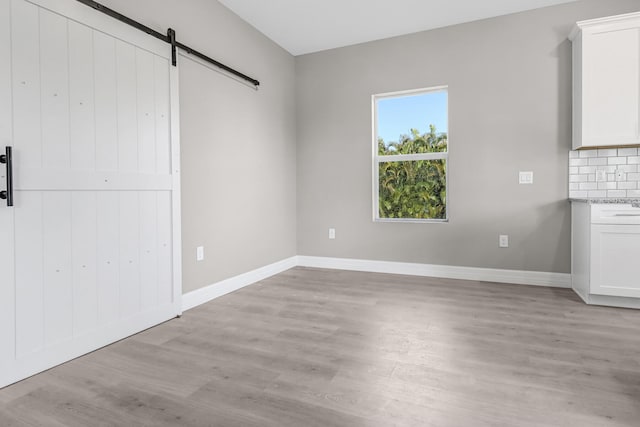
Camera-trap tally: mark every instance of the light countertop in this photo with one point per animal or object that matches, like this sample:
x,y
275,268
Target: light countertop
x,y
597,201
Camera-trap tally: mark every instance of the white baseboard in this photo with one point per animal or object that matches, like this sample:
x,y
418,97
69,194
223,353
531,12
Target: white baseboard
x,y
556,280
216,290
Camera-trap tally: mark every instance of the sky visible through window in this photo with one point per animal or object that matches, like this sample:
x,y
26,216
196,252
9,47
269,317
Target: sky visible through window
x,y
396,116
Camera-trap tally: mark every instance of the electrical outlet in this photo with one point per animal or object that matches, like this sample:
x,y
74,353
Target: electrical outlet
x,y
504,241
200,253
332,233
601,175
526,178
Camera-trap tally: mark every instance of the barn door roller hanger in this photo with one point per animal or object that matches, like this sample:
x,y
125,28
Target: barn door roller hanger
x,y
169,38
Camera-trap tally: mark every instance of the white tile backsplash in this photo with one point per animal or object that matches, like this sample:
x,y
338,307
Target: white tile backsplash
x,y
615,194
633,160
587,169
588,186
594,193
597,161
628,168
583,154
628,185
607,152
626,152
609,185
584,165
617,160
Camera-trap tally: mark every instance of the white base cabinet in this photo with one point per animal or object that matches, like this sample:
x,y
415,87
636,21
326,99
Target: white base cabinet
x,y
615,257
605,254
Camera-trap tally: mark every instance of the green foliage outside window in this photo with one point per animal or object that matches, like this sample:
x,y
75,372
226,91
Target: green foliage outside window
x,y
413,189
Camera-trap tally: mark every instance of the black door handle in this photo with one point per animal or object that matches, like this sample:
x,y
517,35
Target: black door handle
x,y
8,194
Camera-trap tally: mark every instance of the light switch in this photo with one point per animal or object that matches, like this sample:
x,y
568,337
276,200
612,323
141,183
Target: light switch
x,y
200,253
526,177
332,233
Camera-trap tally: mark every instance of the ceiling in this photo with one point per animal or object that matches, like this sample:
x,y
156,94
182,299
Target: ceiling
x,y
305,26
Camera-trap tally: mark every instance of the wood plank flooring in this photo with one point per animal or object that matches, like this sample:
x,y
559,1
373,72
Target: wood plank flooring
x,y
313,347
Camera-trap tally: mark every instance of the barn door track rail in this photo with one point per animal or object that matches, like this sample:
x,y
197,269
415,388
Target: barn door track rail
x,y
169,38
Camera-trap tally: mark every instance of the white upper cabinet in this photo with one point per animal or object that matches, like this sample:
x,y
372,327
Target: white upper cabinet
x,y
606,82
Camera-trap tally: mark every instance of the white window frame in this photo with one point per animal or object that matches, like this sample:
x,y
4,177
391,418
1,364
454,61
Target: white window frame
x,y
377,159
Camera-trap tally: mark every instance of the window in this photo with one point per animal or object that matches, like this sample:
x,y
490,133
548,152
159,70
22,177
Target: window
x,y
411,149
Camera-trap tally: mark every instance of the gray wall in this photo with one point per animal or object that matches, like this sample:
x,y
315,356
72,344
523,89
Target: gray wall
x,y
510,109
238,144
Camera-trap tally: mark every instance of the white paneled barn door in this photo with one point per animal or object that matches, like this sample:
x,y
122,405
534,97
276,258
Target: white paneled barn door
x,y
90,251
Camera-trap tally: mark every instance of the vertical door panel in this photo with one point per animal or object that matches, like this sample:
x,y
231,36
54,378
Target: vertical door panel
x,y
129,253
57,287
81,99
163,140
26,87
84,254
5,79
29,272
165,248
106,102
127,107
54,75
611,87
146,112
108,256
7,289
149,248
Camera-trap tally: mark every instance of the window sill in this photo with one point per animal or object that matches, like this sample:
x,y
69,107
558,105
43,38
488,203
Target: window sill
x,y
412,221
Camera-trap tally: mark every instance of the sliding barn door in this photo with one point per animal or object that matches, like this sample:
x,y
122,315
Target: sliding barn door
x,y
90,251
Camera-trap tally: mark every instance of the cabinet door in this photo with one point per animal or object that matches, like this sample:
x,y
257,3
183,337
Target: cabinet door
x,y
615,251
611,87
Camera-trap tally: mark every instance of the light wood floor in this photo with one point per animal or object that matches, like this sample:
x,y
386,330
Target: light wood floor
x,y
314,347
